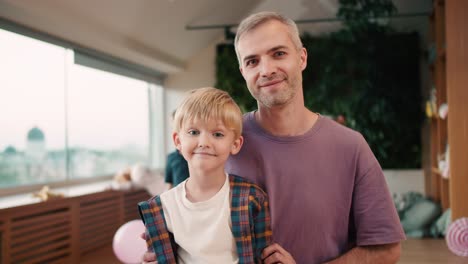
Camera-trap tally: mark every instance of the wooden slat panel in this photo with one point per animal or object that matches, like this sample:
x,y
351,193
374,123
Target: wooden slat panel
x,y
62,253
60,260
5,241
38,244
43,217
97,241
131,200
99,220
2,240
98,205
105,217
109,210
96,229
93,198
43,250
137,195
39,233
61,231
39,207
92,228
107,231
52,221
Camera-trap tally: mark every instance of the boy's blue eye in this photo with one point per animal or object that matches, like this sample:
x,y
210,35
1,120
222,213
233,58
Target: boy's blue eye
x,y
193,132
218,134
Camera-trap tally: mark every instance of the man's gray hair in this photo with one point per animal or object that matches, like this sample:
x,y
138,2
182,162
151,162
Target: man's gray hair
x,y
257,19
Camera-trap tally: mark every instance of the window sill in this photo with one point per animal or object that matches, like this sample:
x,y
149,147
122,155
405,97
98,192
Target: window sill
x,y
69,191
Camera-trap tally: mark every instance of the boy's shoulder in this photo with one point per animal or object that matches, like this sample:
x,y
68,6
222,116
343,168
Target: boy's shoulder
x,y
153,202
241,185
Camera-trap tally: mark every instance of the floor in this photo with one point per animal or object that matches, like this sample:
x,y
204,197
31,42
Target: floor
x,y
426,251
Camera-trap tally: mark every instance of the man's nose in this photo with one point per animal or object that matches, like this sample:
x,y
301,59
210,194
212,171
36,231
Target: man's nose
x,y
267,68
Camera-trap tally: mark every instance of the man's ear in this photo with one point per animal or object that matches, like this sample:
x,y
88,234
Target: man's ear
x,y
241,71
237,145
176,139
303,58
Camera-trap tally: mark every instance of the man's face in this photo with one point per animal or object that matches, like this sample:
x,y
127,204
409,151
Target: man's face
x,y
271,64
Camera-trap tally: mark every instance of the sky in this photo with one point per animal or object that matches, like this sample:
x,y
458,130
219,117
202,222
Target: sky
x,y
105,110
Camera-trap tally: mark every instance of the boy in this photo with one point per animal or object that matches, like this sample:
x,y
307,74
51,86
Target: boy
x,y
211,217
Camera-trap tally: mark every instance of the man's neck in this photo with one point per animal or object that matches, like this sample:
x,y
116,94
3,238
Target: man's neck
x,y
286,121
202,186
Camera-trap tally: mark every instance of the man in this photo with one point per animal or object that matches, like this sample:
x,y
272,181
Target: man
x,y
329,201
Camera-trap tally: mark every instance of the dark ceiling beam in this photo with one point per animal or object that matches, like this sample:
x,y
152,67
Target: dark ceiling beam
x,y
307,21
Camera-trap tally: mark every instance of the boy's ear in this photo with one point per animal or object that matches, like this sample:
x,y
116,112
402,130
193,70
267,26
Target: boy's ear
x,y
237,145
176,139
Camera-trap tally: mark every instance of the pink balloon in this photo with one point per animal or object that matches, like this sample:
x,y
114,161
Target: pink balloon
x,y
128,246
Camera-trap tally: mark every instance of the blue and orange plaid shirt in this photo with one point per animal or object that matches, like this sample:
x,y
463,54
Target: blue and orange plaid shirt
x,y
250,217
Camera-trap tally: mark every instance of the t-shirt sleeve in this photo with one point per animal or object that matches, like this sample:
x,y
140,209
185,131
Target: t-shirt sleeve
x,y
168,177
180,170
375,218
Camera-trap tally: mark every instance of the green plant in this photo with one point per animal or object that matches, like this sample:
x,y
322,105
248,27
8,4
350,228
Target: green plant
x,y
229,78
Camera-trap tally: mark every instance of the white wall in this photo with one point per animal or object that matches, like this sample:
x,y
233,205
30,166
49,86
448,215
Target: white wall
x,y
402,181
199,72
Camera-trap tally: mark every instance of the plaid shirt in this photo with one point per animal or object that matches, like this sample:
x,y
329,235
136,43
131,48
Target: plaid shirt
x,y
250,219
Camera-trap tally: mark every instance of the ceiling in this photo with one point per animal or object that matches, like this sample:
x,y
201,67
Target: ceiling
x,y
153,33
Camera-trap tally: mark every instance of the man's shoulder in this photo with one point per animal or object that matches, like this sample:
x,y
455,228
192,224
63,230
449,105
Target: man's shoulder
x,y
247,118
339,132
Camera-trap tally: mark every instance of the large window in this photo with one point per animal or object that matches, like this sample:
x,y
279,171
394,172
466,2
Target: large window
x,y
61,121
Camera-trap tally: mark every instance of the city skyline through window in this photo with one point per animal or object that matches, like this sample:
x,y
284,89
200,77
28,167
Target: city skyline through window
x,y
60,120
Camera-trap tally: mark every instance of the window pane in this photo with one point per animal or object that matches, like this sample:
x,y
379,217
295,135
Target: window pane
x,y
32,118
108,122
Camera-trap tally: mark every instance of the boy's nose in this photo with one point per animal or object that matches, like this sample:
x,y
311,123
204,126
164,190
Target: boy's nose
x,y
203,141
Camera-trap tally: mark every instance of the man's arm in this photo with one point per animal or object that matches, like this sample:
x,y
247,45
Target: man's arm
x,y
381,254
389,253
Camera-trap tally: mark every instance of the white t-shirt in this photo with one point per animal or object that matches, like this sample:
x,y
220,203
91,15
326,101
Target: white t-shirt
x,y
202,230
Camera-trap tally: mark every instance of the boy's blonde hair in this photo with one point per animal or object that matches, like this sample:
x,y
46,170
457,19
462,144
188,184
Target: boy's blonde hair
x,y
207,103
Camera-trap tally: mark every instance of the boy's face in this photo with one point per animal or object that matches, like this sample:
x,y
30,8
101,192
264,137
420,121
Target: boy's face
x,y
206,145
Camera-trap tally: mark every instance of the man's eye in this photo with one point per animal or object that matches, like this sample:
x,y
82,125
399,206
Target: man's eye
x,y
251,62
193,132
218,134
279,53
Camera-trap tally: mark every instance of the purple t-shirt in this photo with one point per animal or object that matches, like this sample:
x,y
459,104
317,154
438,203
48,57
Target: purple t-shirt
x,y
326,189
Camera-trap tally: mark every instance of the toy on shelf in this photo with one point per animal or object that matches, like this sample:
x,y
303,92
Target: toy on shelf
x,y
45,194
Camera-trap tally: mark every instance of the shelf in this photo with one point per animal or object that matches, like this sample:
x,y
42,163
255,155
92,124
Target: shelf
x,y
438,3
448,73
441,54
438,172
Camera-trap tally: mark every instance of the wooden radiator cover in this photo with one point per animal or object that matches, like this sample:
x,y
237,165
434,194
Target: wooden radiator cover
x,y
61,231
